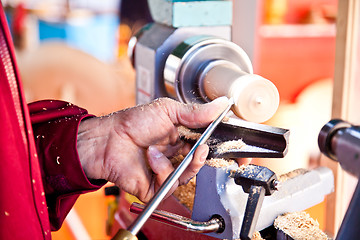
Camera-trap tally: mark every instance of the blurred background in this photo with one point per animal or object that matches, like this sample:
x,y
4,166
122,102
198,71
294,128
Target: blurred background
x,y
76,50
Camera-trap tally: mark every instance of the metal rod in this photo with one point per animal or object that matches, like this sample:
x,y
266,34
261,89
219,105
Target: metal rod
x,y
213,225
135,227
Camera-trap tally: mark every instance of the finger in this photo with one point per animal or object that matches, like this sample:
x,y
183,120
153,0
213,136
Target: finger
x,y
185,149
161,166
198,161
171,150
196,115
159,163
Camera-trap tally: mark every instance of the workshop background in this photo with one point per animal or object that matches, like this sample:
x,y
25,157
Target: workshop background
x,y
76,50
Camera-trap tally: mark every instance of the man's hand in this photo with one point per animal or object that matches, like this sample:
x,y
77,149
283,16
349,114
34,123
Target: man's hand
x,y
131,147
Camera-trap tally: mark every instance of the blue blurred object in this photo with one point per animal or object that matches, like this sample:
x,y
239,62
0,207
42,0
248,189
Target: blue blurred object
x,y
95,34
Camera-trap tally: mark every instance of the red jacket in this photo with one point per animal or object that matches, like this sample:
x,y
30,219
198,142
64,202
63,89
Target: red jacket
x,y
40,172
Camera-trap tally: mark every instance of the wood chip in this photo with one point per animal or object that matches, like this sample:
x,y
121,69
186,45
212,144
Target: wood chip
x,y
299,226
256,236
229,145
292,174
176,160
186,193
219,162
188,133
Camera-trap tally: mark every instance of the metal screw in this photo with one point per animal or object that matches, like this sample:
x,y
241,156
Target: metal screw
x,y
275,184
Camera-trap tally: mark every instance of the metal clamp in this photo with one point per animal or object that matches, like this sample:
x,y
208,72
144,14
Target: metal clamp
x,y
258,181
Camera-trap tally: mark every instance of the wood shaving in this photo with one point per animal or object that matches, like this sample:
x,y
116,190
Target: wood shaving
x,y
256,236
299,226
176,160
186,193
292,174
230,145
219,162
240,169
188,133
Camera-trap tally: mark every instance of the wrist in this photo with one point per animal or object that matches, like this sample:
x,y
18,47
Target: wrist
x,y
92,140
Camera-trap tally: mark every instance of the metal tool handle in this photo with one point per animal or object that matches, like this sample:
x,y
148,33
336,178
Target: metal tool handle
x,y
215,224
123,234
252,211
174,176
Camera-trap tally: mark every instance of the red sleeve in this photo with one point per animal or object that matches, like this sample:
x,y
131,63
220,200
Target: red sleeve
x,y
55,125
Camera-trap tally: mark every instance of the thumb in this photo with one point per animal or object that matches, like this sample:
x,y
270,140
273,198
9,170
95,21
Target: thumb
x,y
197,115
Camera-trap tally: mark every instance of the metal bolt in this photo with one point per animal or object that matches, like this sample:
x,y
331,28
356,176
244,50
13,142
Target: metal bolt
x,y
275,184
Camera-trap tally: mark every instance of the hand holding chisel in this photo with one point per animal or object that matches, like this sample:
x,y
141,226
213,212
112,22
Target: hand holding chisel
x,y
130,233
